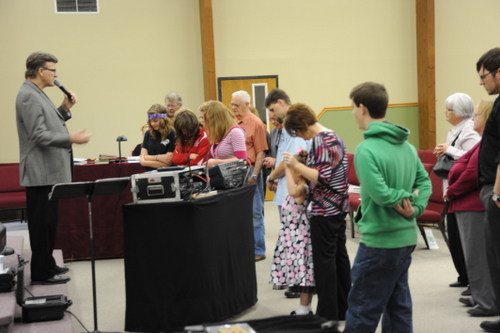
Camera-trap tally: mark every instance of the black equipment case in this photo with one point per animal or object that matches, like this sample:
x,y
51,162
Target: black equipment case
x,y
3,237
7,281
168,184
42,308
228,175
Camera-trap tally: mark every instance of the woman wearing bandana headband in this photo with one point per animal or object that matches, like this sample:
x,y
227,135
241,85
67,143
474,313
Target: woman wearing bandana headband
x,y
159,141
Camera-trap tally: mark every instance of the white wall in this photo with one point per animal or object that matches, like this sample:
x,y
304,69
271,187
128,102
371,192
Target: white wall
x,y
118,62
126,58
320,49
465,30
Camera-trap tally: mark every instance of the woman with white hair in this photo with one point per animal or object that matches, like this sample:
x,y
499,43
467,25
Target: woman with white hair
x,y
463,194
459,110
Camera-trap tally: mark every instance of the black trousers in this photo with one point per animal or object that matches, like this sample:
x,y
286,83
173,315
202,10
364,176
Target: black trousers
x,y
332,268
42,227
492,231
457,253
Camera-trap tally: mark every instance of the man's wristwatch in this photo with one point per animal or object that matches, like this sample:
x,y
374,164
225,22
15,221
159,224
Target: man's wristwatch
x,y
269,180
254,177
495,197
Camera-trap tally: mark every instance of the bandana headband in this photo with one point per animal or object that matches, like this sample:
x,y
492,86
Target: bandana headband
x,y
156,115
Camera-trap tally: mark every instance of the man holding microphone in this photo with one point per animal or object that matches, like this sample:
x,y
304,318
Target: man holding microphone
x,y
45,160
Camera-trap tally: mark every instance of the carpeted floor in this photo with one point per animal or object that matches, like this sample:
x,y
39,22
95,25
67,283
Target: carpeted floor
x,y
436,307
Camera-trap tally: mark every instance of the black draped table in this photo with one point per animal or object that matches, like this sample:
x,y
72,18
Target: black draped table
x,y
73,229
188,263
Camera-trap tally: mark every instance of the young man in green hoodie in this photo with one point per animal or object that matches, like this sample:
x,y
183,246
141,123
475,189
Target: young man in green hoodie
x,y
394,191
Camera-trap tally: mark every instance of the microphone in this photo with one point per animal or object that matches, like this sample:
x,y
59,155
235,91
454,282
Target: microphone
x,y
59,84
119,139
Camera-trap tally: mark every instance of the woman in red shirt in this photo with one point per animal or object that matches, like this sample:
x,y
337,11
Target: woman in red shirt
x,y
192,141
463,195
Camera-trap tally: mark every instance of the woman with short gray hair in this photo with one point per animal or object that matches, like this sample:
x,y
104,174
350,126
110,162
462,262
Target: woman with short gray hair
x,y
459,109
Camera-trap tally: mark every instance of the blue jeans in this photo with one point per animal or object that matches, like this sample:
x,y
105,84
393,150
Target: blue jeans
x,y
258,216
380,285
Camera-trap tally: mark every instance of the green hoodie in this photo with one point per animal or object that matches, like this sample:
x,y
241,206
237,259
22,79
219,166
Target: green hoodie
x,y
389,169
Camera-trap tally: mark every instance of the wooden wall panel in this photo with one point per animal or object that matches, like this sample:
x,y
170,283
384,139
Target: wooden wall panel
x,y
426,73
208,49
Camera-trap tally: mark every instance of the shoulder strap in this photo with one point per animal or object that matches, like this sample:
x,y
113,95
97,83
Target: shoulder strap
x,y
453,143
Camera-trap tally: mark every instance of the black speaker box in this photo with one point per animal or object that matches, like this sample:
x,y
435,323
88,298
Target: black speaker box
x,y
228,175
7,281
42,308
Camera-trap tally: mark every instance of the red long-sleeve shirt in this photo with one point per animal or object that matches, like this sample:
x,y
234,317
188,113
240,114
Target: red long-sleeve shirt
x,y
199,147
463,189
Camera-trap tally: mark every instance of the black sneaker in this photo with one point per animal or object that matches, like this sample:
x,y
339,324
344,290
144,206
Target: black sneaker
x,y
293,313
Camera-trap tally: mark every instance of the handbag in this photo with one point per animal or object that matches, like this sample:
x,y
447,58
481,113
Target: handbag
x,y
443,166
444,163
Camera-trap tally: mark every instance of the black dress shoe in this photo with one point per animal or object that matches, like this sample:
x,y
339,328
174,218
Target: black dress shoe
x,y
466,301
292,294
56,279
491,326
480,313
61,270
457,284
7,251
466,292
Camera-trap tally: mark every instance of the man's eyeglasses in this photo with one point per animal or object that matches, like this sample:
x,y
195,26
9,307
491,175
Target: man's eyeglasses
x,y
49,69
482,77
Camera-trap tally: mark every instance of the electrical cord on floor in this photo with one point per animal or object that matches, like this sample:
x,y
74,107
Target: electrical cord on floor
x,y
71,313
29,292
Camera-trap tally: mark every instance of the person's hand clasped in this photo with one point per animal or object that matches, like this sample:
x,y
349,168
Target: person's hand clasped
x,y
272,186
440,149
406,209
269,162
289,160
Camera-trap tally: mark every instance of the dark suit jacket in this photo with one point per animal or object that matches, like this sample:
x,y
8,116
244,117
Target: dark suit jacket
x,y
44,140
273,137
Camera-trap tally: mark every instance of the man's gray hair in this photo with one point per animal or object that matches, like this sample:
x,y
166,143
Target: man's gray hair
x,y
174,97
35,61
243,95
